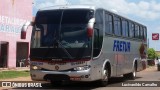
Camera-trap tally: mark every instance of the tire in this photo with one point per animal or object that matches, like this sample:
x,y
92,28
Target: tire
x,y
104,81
131,75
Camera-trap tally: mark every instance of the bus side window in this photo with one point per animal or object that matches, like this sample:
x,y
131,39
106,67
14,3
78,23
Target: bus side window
x,y
98,33
136,31
141,33
117,26
125,30
131,30
145,33
108,24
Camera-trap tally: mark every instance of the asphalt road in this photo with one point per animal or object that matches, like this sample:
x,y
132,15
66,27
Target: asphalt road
x,y
149,76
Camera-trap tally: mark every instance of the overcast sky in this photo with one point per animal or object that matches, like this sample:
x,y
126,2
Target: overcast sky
x,y
146,12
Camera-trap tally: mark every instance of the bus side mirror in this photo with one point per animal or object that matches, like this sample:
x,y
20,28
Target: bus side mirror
x,y
90,27
24,29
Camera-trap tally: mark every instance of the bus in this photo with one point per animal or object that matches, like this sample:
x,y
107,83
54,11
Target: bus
x,y
84,43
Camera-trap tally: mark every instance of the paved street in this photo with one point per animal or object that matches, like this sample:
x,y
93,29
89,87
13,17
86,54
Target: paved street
x,y
150,74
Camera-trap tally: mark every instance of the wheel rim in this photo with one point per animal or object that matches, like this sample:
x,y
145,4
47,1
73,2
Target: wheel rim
x,y
105,75
134,73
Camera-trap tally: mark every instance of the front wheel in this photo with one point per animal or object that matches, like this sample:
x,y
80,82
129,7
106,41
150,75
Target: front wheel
x,y
105,75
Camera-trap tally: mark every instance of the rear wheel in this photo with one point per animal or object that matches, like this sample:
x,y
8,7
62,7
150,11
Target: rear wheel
x,y
131,75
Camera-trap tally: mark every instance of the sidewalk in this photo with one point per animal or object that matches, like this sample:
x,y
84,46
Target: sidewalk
x,y
151,68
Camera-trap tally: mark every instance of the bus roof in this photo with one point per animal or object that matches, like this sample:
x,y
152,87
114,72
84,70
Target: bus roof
x,y
69,7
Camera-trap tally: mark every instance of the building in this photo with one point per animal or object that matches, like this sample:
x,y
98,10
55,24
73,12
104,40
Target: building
x,y
13,14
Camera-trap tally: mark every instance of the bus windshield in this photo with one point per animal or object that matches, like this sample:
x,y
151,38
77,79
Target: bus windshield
x,y
65,29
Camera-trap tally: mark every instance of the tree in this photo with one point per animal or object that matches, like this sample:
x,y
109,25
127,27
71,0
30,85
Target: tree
x,y
151,53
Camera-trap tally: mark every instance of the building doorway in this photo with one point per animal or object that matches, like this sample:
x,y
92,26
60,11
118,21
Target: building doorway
x,y
22,54
3,54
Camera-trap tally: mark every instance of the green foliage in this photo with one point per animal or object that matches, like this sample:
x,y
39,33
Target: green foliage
x,y
13,74
151,53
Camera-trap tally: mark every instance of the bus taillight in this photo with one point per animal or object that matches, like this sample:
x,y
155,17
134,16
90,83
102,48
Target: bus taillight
x,y
89,32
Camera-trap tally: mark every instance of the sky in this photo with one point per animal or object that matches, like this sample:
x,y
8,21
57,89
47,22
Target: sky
x,y
146,12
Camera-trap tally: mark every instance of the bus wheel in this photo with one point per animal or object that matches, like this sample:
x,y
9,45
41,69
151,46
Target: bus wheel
x,y
131,75
105,75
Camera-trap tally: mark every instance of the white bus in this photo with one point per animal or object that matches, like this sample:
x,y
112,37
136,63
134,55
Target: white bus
x,y
84,43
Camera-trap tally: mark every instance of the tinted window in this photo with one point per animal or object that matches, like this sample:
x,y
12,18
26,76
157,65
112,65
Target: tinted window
x,y
77,16
48,17
136,31
145,33
108,24
125,28
98,33
67,16
131,30
117,26
66,26
141,33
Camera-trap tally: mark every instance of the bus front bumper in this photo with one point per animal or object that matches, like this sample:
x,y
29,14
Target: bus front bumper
x,y
41,75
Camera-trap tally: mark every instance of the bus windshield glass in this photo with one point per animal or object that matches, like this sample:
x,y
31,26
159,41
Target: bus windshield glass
x,y
65,29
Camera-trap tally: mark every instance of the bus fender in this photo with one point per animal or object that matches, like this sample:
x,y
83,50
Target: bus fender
x,y
134,62
104,63
139,66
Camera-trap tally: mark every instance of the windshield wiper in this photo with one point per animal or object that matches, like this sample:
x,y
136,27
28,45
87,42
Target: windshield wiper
x,y
64,49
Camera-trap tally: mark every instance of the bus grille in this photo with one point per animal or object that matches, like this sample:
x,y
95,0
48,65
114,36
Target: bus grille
x,y
56,77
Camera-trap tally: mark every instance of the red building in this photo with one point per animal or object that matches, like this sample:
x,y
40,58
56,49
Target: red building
x,y
13,14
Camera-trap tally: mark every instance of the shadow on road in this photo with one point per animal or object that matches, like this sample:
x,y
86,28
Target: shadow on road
x,y
113,82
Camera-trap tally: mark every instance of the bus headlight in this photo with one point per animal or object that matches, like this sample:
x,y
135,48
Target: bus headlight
x,y
81,68
35,67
